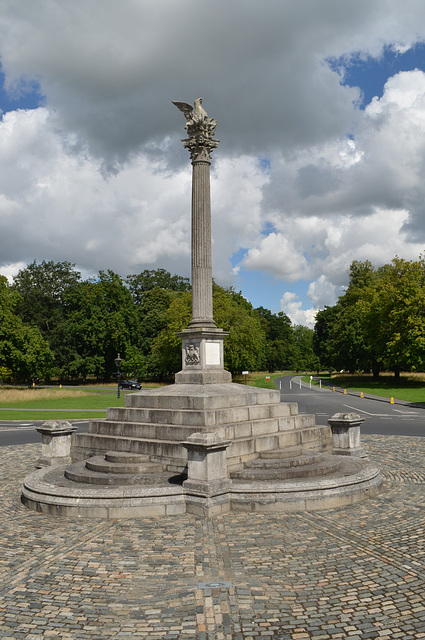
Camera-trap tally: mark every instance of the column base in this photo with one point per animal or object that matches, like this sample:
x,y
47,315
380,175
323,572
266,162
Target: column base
x,y
205,376
203,357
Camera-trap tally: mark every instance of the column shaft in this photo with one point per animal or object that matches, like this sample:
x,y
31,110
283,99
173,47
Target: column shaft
x,y
202,306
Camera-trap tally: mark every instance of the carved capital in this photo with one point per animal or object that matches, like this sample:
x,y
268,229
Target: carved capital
x,y
200,130
200,142
200,151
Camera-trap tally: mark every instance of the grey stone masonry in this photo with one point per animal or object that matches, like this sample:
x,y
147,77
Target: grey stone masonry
x,y
346,434
55,443
207,487
157,421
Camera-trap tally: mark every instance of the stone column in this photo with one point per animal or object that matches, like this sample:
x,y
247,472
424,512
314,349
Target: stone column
x,y
202,351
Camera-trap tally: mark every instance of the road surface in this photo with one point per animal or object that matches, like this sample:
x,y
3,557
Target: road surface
x,y
380,416
24,431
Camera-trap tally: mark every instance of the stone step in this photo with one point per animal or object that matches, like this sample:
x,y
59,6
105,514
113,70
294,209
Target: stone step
x,y
86,445
316,438
289,452
102,465
173,433
281,459
122,456
200,418
180,433
203,397
78,472
271,470
174,455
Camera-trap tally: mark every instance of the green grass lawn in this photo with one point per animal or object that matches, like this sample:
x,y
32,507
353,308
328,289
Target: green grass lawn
x,y
89,405
408,387
258,379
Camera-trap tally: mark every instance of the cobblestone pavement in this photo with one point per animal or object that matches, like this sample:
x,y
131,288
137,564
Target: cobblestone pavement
x,y
356,572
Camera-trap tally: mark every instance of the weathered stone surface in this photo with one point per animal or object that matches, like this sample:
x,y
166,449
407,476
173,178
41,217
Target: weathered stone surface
x,y
346,434
55,443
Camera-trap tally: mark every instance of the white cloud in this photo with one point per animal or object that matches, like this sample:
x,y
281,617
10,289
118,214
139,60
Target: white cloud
x,y
292,307
10,270
277,254
98,176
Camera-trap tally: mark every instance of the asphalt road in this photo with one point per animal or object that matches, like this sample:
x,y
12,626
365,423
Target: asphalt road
x,y
380,416
24,432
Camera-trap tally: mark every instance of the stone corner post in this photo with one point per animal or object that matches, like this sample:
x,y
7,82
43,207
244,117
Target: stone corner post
x,y
346,434
207,487
55,443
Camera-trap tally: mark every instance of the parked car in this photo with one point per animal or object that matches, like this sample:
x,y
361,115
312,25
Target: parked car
x,y
130,384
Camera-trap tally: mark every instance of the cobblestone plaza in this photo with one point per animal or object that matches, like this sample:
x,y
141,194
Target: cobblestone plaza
x,y
353,572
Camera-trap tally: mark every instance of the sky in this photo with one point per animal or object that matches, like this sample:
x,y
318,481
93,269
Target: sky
x,y
320,107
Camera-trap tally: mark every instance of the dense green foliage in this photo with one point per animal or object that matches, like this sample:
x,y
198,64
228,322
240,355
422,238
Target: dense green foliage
x,y
379,322
55,324
24,354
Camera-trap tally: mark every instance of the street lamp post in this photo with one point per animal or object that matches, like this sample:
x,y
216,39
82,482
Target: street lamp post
x,y
118,361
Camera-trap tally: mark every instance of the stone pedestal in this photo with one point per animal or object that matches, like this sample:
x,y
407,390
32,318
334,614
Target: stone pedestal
x,y
202,357
207,486
346,434
55,443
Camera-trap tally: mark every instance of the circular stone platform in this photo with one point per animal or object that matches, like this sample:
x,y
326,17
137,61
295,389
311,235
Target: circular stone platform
x,y
47,490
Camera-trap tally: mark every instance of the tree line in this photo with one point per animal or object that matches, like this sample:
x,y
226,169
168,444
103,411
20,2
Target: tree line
x,y
56,325
379,322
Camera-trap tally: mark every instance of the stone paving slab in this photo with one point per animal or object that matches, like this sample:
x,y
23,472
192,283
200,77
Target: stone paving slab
x,y
356,572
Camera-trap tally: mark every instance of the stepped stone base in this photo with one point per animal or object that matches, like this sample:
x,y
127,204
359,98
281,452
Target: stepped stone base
x,y
203,449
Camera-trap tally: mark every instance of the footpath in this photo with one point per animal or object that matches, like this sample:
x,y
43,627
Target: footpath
x,y
356,572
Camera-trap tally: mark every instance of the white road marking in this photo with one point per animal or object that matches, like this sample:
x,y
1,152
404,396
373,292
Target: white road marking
x,y
366,412
407,413
389,416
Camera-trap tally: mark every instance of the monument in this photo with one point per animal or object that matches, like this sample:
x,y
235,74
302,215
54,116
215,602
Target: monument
x,y
203,360
203,445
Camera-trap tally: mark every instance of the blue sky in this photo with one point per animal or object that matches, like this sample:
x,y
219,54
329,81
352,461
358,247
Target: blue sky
x,y
26,95
371,74
321,120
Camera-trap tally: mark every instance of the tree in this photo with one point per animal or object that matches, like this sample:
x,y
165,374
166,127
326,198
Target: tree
x,y
305,359
138,284
42,288
101,321
279,349
245,346
393,313
152,312
166,350
379,323
24,354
